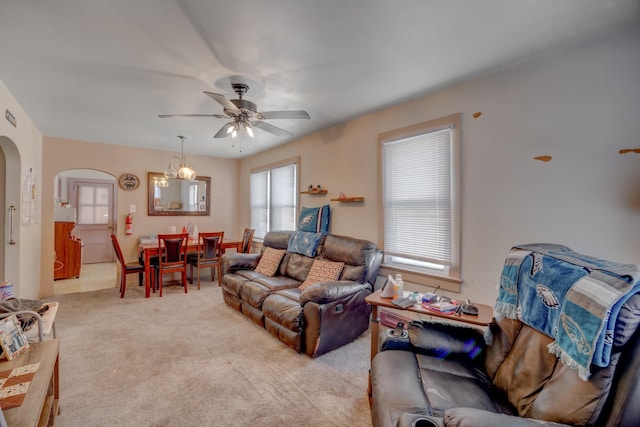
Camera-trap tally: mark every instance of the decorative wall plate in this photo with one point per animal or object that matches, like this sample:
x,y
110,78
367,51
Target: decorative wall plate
x,y
128,181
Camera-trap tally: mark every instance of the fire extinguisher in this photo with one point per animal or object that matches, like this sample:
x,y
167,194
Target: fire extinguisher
x,y
128,228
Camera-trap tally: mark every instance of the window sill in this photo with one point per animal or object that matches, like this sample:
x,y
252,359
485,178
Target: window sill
x,y
451,284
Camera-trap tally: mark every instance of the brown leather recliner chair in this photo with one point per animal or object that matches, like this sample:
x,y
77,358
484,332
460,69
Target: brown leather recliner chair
x,y
444,374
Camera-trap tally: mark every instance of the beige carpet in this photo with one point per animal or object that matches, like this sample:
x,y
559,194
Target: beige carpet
x,y
190,360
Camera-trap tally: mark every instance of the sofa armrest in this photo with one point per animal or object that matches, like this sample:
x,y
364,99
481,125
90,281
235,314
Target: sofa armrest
x,y
446,339
471,417
322,293
233,261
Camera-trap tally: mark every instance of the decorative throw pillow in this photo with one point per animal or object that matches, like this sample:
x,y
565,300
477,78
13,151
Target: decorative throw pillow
x,y
322,271
315,220
304,243
270,261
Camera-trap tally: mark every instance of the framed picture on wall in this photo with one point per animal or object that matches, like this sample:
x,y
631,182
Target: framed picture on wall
x,y
12,339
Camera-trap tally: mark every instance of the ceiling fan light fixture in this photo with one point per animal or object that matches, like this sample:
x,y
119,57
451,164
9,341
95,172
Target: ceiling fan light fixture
x,y
244,114
247,127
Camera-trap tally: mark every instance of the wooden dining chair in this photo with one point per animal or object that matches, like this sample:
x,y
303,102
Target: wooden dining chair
x,y
126,268
247,240
173,256
209,256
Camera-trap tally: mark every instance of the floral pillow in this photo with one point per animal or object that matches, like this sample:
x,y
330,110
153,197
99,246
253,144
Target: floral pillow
x,y
322,271
270,261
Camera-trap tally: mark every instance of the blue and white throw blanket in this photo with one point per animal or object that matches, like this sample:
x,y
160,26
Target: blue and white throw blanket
x,y
573,298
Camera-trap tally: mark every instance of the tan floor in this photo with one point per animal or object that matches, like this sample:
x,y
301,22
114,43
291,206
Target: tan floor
x,y
92,277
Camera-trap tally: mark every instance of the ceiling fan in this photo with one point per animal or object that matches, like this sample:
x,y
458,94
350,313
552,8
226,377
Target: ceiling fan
x,y
245,115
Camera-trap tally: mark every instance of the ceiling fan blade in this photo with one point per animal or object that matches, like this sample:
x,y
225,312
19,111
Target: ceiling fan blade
x,y
297,114
164,116
223,132
222,100
271,129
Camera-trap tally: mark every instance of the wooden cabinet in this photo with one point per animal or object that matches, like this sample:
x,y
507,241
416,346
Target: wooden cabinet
x,y
68,252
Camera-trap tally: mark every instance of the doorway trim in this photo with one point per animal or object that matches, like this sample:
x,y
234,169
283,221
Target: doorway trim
x,y
10,196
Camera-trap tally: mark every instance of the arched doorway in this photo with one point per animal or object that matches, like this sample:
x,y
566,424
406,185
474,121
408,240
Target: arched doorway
x,y
86,197
10,179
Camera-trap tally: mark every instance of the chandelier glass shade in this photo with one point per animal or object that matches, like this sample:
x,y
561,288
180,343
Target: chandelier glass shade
x,y
184,172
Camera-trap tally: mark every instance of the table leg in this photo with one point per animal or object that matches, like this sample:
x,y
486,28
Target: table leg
x,y
375,322
375,327
147,274
56,386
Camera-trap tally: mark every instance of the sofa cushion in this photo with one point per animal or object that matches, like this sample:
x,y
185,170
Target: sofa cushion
x,y
284,311
304,243
539,386
233,282
396,387
270,261
297,266
323,271
315,220
526,369
456,383
277,239
254,292
354,253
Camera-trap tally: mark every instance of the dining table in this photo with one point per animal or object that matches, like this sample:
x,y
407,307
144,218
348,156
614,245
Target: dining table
x,y
150,249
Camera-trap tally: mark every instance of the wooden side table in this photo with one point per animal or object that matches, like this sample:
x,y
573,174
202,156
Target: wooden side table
x,y
484,317
40,405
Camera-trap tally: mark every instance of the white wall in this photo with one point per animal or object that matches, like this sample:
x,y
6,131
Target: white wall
x,y
22,147
580,106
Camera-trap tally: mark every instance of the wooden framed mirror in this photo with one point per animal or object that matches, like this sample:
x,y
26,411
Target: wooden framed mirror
x,y
178,197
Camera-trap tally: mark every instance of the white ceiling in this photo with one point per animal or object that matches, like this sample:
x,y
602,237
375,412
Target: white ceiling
x,y
103,70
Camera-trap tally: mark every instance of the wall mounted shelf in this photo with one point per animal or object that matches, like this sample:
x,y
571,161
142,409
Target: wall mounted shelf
x,y
314,192
349,199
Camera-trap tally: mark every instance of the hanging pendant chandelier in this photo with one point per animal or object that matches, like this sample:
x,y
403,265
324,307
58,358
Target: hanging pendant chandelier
x,y
184,172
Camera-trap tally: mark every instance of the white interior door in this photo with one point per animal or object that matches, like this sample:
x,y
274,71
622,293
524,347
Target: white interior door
x,y
94,203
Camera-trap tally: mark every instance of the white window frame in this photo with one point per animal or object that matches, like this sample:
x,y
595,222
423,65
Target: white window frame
x,y
267,198
418,269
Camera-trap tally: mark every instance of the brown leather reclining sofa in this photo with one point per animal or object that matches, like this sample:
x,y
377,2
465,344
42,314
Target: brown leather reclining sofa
x,y
315,320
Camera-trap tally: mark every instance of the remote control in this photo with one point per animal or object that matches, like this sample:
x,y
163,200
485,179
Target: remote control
x,y
403,302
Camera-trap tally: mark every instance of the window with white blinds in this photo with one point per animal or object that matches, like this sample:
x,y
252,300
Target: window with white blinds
x,y
273,200
419,193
